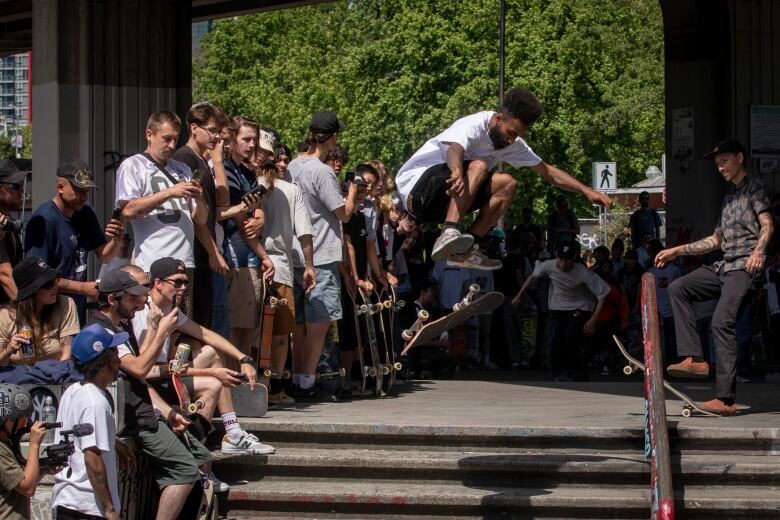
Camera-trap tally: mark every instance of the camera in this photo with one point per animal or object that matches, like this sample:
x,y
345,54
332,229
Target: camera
x,y
58,454
13,224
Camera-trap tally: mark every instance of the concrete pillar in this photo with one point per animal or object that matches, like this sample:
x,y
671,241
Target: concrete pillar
x,y
99,68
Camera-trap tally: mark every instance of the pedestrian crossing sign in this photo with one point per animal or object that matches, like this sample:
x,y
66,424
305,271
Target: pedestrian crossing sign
x,y
604,176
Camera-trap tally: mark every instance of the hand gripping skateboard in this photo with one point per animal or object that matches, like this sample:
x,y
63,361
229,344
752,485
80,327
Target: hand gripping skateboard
x,y
186,406
471,305
634,364
367,309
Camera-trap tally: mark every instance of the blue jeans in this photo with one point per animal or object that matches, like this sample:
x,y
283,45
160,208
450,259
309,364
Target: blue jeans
x,y
220,322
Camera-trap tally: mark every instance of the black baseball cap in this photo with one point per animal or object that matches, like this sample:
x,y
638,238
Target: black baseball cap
x,y
566,250
10,172
121,281
729,145
165,267
31,274
78,173
325,122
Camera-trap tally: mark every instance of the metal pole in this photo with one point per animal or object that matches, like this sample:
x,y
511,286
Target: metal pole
x,y
501,26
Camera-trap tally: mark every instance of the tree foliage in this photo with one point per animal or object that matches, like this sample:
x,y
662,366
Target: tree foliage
x,y
7,151
400,71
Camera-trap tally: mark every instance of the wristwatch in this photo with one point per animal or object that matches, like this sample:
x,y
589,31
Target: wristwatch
x,y
246,360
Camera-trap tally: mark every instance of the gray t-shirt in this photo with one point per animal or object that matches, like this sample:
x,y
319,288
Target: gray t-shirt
x,y
322,195
286,215
573,290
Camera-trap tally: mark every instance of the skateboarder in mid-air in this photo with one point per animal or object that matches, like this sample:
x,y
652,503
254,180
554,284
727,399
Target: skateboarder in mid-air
x,y
451,176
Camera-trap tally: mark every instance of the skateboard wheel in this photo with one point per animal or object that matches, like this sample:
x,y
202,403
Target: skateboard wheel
x,y
387,304
686,412
407,335
456,307
273,301
400,304
267,373
283,302
385,370
193,408
363,309
342,372
627,370
397,366
423,315
474,288
286,374
372,372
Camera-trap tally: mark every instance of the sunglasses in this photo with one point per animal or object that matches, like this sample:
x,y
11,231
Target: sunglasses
x,y
177,283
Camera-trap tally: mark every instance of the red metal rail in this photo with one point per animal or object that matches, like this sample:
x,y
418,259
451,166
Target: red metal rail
x,y
656,430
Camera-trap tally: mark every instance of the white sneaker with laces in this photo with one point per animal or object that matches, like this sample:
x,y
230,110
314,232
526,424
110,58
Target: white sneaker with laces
x,y
247,444
219,486
450,241
474,259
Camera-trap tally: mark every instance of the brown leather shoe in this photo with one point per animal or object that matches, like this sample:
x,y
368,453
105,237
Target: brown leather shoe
x,y
719,407
689,368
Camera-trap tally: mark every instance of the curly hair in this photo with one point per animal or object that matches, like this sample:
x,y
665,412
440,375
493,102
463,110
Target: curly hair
x,y
385,199
522,104
337,153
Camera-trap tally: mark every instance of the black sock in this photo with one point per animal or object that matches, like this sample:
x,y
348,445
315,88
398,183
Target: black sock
x,y
727,402
450,225
276,386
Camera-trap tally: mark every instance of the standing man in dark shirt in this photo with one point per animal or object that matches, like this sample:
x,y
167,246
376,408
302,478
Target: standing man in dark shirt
x,y
526,231
562,225
11,196
65,229
644,220
743,234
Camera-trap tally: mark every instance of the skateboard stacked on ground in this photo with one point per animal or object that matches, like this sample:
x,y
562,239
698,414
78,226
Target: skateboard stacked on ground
x,y
472,304
634,364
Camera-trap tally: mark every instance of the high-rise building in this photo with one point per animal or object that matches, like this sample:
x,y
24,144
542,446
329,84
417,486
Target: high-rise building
x,y
14,93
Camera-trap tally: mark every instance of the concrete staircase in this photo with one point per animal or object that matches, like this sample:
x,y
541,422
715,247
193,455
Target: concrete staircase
x,y
325,470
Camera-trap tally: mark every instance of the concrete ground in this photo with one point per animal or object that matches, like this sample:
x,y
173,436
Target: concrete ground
x,y
504,399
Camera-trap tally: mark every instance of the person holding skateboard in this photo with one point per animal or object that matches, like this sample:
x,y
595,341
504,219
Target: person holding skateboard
x,y
450,176
743,234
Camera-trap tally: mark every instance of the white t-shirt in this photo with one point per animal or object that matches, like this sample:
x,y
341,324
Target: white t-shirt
x,y
285,214
322,195
86,404
573,290
167,230
140,327
472,134
451,283
663,277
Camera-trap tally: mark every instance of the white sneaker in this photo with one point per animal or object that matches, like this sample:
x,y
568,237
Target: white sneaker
x,y
450,241
219,486
247,444
474,259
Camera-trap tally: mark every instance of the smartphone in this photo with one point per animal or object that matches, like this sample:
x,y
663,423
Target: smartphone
x,y
116,214
259,190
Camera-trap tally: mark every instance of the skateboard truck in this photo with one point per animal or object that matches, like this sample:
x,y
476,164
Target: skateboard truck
x,y
422,317
473,291
340,373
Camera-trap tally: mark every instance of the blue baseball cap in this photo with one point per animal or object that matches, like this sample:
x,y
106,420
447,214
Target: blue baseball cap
x,y
93,341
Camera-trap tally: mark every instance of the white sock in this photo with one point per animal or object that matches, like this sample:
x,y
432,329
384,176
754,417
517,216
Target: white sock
x,y
232,428
306,381
297,379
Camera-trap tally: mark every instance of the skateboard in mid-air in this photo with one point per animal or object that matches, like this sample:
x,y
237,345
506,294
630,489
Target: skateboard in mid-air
x,y
471,305
634,364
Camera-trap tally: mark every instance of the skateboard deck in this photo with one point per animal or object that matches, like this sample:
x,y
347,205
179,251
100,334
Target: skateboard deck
x,y
471,305
388,301
186,406
367,310
271,302
634,364
248,403
365,367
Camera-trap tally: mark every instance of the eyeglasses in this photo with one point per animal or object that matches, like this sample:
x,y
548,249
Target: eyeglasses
x,y
177,283
213,132
14,186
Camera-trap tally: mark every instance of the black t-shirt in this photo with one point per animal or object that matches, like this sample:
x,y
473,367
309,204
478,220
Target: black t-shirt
x,y
10,252
356,229
139,411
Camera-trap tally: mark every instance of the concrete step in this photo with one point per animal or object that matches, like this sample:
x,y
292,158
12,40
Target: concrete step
x,y
499,468
381,500
687,437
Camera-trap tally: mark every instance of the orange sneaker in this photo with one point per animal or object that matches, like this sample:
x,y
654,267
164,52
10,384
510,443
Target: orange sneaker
x,y
689,368
719,407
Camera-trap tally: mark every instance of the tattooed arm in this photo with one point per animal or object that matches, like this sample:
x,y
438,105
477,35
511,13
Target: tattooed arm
x,y
757,258
700,247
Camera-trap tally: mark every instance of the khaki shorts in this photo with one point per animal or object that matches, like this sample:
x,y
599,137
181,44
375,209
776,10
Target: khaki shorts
x,y
243,306
284,319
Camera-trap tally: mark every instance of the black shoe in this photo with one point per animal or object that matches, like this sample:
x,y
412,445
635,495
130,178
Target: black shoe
x,y
314,394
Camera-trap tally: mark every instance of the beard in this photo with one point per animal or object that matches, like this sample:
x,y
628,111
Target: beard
x,y
496,139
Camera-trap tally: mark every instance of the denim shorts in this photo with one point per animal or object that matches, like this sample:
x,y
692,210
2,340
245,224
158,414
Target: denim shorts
x,y
324,302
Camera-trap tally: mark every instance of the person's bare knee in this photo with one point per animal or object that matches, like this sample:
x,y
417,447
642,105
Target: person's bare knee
x,y
476,173
503,186
205,356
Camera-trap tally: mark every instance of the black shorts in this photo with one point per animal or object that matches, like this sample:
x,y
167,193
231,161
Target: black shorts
x,y
428,201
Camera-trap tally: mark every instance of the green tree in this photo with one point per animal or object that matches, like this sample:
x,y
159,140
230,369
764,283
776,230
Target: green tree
x,y
400,71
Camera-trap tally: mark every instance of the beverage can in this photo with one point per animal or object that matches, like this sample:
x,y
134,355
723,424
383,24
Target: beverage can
x,y
181,357
27,348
